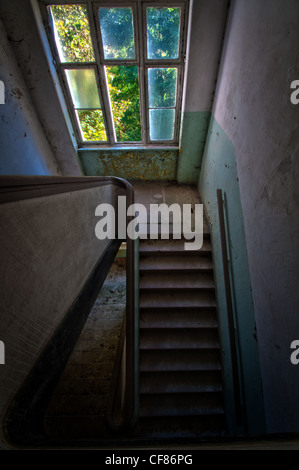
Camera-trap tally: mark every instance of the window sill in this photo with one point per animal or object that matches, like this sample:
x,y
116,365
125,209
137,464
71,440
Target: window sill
x,y
123,148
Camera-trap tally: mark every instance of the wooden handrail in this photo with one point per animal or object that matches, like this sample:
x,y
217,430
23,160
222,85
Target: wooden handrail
x,y
230,314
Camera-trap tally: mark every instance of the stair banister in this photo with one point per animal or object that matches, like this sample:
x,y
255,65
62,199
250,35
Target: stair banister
x,y
16,188
230,314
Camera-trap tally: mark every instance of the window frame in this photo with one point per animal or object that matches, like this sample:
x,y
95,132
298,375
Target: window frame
x,y
141,61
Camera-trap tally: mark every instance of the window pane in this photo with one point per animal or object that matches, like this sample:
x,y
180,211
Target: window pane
x,y
72,35
162,87
117,33
124,96
92,124
161,124
83,86
163,30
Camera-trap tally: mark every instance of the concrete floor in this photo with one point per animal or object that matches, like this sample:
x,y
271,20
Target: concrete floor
x,y
158,192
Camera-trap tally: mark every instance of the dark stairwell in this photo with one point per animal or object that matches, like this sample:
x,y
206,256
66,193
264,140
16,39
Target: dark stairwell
x,y
180,370
180,375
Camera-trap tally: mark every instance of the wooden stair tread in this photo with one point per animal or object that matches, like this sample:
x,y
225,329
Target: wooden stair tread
x,y
178,318
177,280
180,382
181,404
170,338
177,298
172,262
179,360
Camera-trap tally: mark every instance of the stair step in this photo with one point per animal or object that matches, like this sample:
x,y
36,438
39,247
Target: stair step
x,y
177,318
177,280
175,262
175,359
176,298
183,338
172,246
170,230
185,404
180,382
160,427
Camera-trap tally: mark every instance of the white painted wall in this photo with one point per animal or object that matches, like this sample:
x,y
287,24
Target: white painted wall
x,y
253,107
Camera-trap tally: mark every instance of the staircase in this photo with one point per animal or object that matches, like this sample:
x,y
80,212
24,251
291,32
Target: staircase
x,y
180,371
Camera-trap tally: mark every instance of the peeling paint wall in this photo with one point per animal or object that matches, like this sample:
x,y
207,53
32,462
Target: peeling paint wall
x,y
36,73
130,164
253,108
219,171
24,147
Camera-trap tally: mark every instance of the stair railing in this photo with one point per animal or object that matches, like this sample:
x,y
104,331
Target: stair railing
x,y
230,313
131,385
14,188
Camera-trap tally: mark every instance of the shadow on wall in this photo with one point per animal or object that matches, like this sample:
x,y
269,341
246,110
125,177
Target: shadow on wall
x,y
219,171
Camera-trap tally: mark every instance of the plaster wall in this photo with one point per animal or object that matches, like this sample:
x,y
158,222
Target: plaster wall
x,y
24,147
219,171
206,31
134,164
48,248
253,108
26,36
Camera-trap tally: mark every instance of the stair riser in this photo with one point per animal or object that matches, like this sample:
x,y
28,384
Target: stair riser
x,y
177,300
179,360
175,263
180,382
181,404
151,318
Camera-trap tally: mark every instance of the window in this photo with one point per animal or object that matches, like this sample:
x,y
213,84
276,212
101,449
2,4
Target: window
x,y
121,66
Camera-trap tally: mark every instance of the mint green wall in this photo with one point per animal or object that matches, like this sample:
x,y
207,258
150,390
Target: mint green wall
x,y
219,171
193,137
133,164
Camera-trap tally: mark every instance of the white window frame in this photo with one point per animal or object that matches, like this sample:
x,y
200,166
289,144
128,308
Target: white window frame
x,y
141,60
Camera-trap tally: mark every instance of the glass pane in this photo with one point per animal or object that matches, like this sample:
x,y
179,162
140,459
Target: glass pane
x,y
117,33
163,30
162,87
161,124
72,35
124,96
83,86
92,124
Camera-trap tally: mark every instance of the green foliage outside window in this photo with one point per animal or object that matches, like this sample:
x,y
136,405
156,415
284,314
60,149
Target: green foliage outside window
x,y
124,94
73,32
74,43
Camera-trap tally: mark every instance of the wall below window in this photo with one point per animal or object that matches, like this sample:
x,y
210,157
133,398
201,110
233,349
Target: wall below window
x,y
149,164
48,251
